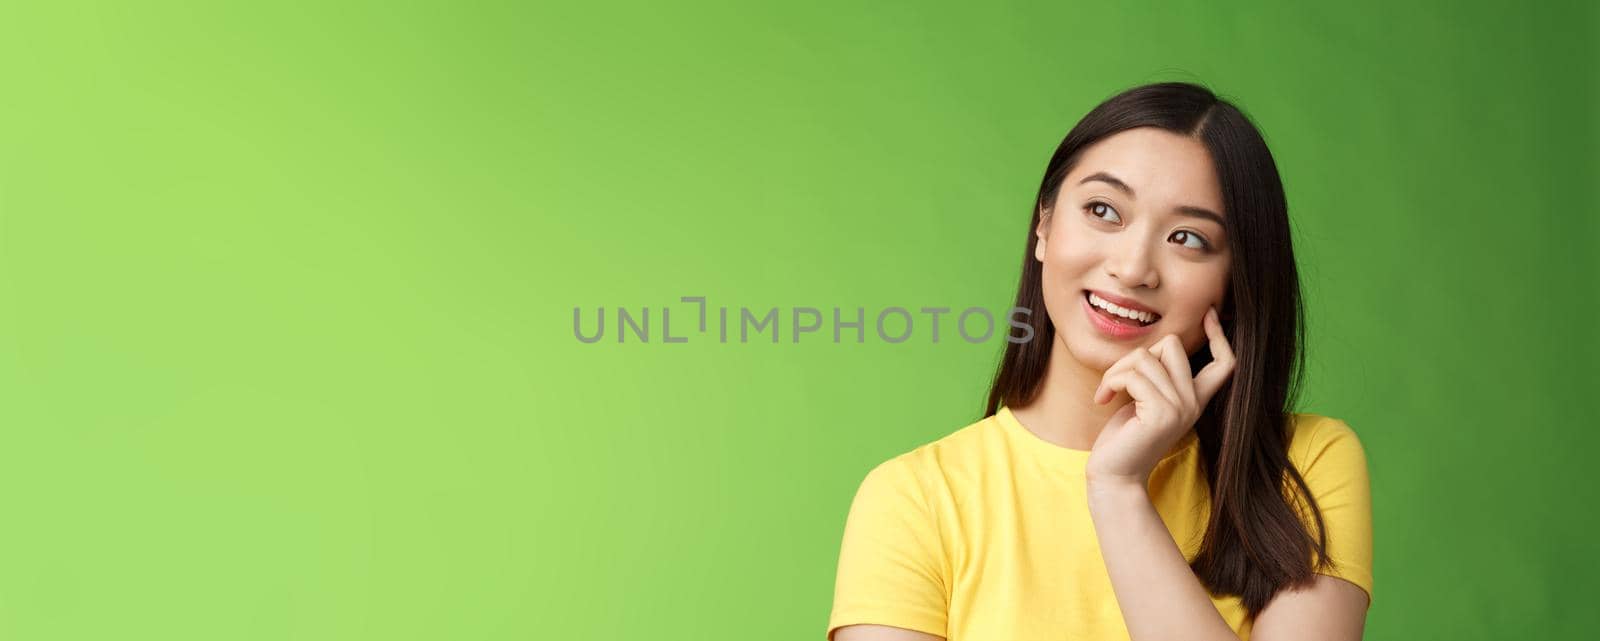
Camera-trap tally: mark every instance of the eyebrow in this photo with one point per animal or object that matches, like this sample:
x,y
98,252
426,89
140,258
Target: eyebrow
x,y
1187,210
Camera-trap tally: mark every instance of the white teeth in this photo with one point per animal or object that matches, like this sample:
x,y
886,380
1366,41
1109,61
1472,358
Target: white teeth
x,y
1143,317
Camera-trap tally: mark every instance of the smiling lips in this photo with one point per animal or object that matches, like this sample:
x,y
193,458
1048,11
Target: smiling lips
x,y
1121,310
1112,326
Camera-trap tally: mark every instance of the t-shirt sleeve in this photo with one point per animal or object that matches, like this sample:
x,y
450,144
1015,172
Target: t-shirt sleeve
x,y
1334,466
892,569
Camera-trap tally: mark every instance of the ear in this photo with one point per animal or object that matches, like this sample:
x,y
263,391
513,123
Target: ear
x,y
1042,231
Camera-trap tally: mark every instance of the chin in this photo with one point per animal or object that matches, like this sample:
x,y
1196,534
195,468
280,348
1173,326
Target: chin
x,y
1090,350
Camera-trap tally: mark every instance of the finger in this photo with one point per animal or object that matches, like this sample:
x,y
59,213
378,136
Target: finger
x,y
1173,355
1151,403
1212,377
1101,394
1156,371
1151,407
1170,351
1110,384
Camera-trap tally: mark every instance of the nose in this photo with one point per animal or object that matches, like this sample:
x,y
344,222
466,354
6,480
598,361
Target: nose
x,y
1130,262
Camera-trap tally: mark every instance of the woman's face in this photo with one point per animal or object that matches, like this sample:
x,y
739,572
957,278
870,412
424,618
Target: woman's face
x,y
1129,221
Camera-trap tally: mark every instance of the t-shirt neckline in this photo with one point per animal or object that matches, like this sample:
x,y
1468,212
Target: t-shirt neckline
x,y
1066,455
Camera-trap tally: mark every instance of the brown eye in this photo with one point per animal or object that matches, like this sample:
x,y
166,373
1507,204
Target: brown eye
x,y
1196,237
1098,210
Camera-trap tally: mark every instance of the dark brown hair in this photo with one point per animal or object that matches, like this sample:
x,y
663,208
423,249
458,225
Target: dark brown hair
x,y
1255,543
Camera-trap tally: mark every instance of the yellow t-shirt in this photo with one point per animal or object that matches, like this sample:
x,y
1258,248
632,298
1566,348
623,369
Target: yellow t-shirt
x,y
985,534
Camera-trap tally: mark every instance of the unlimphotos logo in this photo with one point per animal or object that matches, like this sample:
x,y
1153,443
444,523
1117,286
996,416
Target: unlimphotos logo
x,y
893,324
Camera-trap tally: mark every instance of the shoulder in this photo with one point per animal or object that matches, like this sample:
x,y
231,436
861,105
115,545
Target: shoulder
x,y
956,454
1316,440
1333,464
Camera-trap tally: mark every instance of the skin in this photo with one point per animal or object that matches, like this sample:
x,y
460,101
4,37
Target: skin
x,y
1129,401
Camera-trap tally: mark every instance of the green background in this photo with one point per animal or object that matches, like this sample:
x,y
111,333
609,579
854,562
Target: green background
x,y
286,348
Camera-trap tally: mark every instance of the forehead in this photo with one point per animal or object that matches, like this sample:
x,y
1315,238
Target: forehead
x,y
1164,169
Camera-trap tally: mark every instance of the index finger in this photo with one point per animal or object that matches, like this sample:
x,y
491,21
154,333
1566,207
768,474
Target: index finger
x,y
1170,351
1216,373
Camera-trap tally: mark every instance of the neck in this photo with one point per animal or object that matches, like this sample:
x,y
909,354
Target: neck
x,y
1064,411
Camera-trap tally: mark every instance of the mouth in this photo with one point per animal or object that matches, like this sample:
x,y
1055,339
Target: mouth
x,y
1118,314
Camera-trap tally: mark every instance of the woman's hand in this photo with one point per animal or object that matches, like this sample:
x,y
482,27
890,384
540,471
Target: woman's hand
x,y
1166,403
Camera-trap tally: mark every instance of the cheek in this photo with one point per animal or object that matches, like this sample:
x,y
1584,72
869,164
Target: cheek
x,y
1071,251
1064,267
1061,277
1190,311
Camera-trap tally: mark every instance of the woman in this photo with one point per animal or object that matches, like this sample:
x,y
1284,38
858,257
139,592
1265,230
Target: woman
x,y
1138,474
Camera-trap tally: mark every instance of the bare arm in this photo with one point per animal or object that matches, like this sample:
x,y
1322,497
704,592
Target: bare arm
x,y
1330,608
1161,598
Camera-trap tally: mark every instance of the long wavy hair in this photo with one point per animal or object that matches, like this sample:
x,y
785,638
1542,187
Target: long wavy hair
x,y
1255,541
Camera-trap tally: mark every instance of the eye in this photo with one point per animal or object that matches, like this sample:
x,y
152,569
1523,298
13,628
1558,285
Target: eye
x,y
1096,209
1189,235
